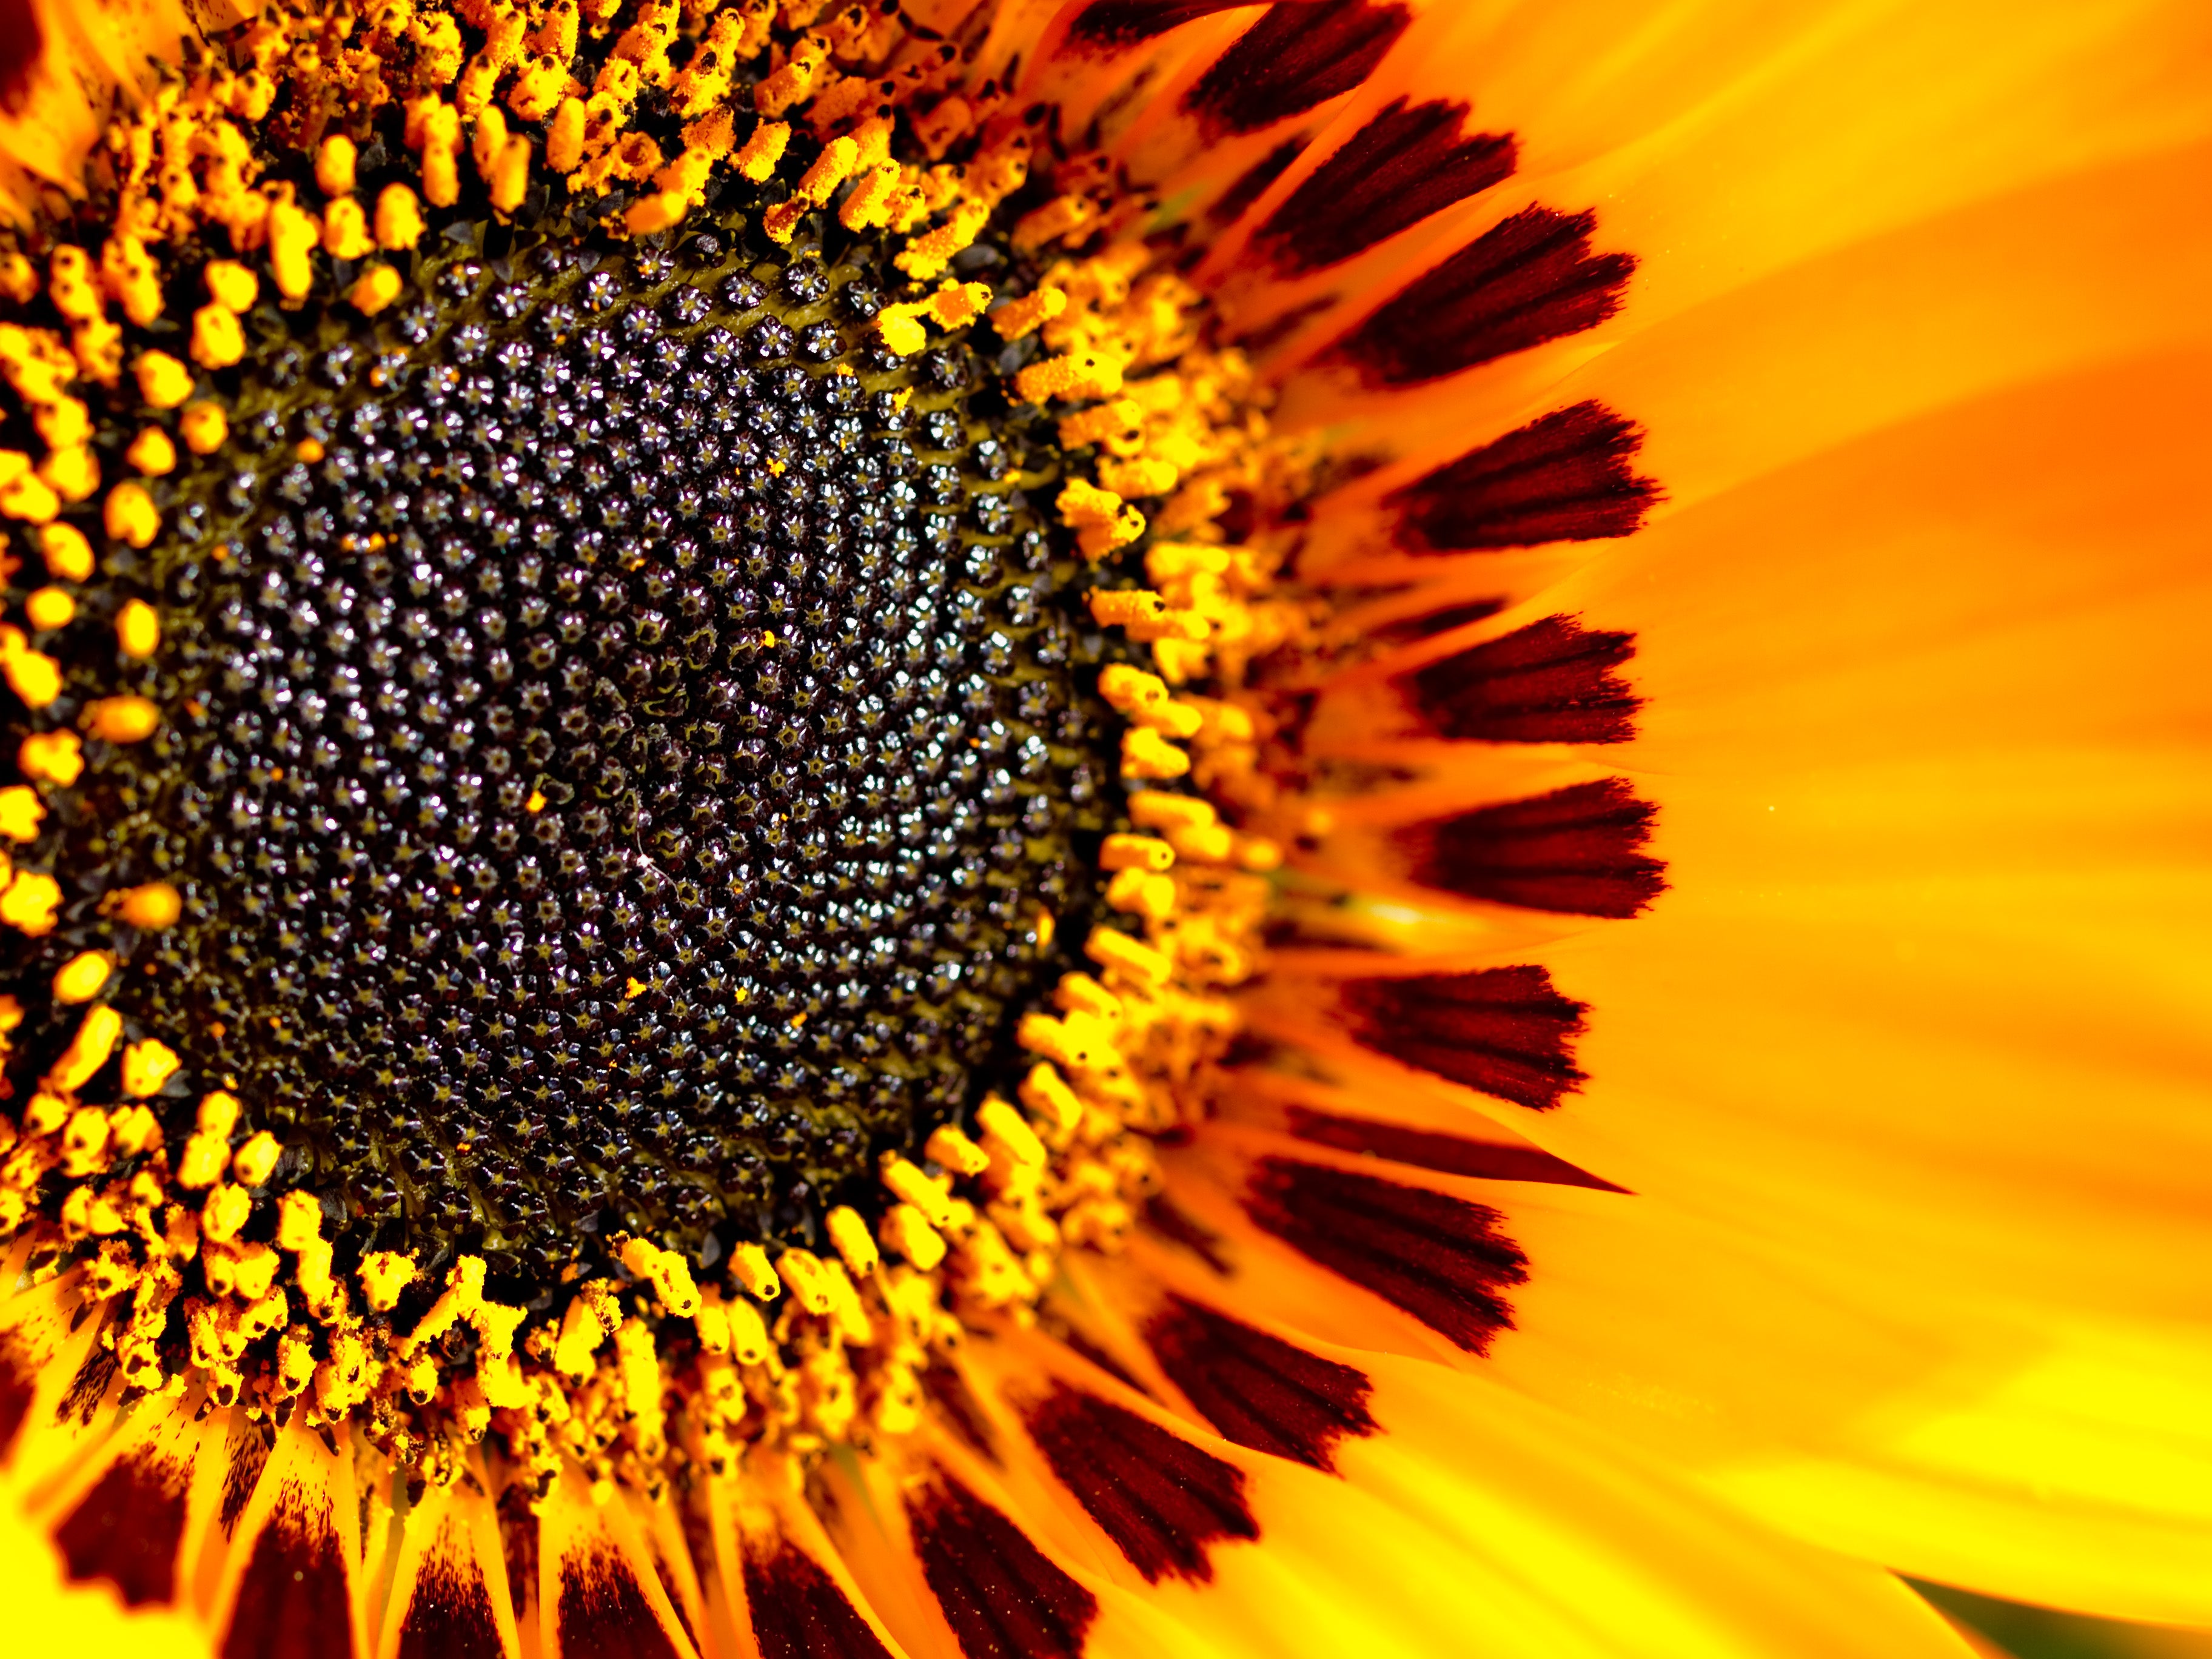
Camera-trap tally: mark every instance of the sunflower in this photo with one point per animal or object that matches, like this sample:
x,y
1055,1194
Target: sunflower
x,y
997,828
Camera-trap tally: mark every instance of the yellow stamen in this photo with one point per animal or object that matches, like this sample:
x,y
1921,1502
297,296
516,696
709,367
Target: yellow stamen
x,y
218,340
152,908
950,1146
152,452
256,1159
750,1263
907,1183
80,979
1135,853
137,628
147,1065
205,427
849,1234
131,516
384,1274
72,472
55,757
399,224
231,285
374,288
1018,318
1146,754
49,608
88,1051
806,1275
907,1231
122,720
334,165
67,553
345,230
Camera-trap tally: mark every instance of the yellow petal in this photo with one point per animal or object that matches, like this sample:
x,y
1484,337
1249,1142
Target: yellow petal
x,y
48,1614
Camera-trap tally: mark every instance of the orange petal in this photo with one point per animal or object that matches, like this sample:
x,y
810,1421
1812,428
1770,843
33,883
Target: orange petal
x,y
1479,1522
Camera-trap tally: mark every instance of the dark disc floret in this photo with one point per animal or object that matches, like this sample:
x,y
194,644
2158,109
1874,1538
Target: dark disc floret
x,y
620,726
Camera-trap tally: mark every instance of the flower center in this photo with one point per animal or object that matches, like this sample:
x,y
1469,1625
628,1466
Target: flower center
x,y
620,748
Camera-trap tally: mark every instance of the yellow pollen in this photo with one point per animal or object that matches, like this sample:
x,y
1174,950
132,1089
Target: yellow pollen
x,y
293,235
1146,754
375,288
907,1183
69,285
1121,608
88,1051
1141,476
130,515
564,137
225,1213
79,979
750,1264
1152,896
1101,520
152,908
23,494
667,1272
868,206
67,553
218,340
49,608
256,1159
398,219
903,335
1076,377
907,1231
122,720
809,1280
1054,220
334,165
21,812
83,1140
384,1275
1171,813
1112,949
231,285
1135,853
950,1148
147,1065
1004,1128
45,1114
32,675
1018,318
928,255
152,452
137,628
345,230
849,1234
72,472
55,757
205,427
217,1114
1210,843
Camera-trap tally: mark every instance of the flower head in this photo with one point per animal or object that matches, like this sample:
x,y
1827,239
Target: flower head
x,y
956,827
